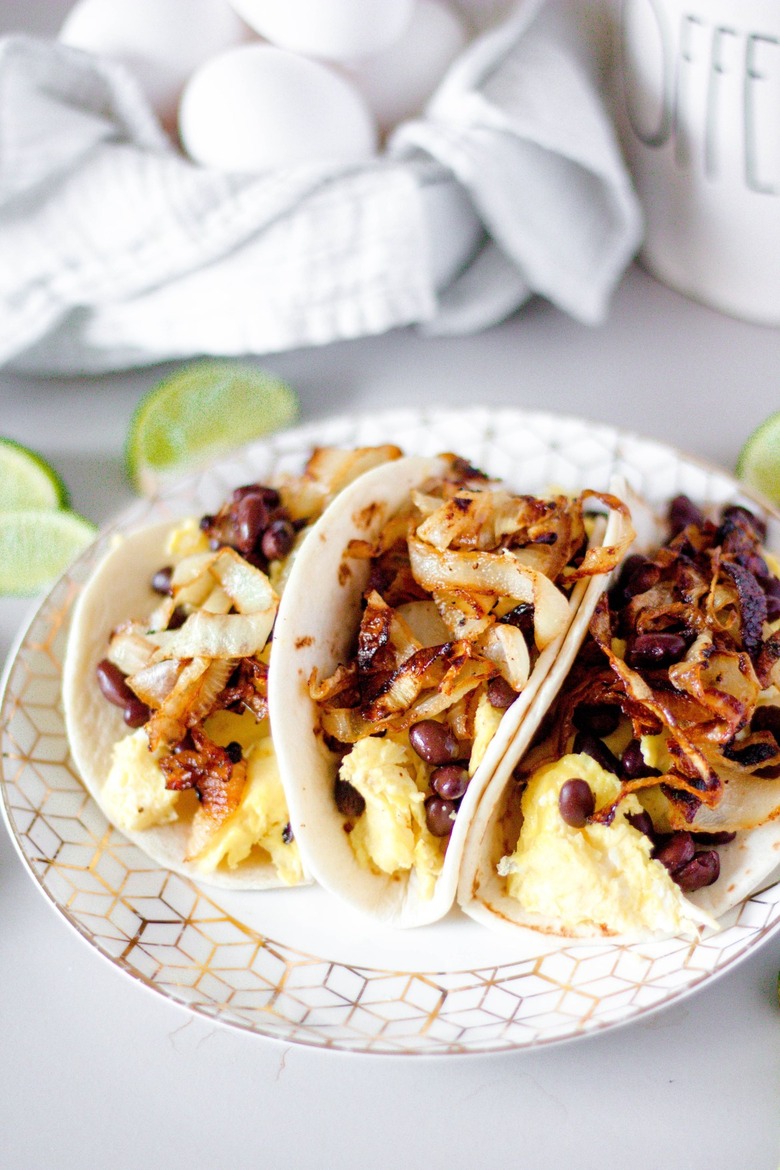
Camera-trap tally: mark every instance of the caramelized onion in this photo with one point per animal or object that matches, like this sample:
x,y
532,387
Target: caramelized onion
x,y
190,701
497,574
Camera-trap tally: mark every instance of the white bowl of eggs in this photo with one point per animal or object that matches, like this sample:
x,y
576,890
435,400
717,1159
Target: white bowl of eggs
x,y
258,84
255,86
332,169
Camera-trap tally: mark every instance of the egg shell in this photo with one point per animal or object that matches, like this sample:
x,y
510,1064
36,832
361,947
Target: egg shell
x,y
337,30
160,41
398,82
258,108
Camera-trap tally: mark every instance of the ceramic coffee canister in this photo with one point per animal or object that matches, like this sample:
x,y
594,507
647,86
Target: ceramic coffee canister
x,y
698,103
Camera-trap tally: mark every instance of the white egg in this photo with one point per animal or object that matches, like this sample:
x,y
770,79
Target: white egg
x,y
161,41
398,82
338,30
258,108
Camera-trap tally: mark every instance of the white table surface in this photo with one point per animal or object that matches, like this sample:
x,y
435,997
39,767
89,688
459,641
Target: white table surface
x,y
96,1071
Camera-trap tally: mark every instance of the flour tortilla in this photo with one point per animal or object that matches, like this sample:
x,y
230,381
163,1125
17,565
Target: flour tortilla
x,y
118,590
315,631
746,863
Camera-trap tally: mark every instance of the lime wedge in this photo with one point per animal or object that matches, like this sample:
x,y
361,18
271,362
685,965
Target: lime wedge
x,y
202,411
758,464
27,480
37,546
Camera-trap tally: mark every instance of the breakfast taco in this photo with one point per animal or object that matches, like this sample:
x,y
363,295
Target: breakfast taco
x,y
165,678
648,801
419,621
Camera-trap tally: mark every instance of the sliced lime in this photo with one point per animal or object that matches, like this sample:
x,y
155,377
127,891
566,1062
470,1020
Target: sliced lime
x,y
37,546
27,480
202,411
758,464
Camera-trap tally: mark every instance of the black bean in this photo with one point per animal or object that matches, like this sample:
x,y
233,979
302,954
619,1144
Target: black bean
x,y
136,712
287,834
576,802
112,683
500,694
630,566
250,518
434,742
682,512
643,822
598,718
268,495
278,539
675,850
639,574
234,752
177,618
349,801
450,781
702,870
643,578
636,576
592,746
247,489
439,816
161,581
655,650
632,762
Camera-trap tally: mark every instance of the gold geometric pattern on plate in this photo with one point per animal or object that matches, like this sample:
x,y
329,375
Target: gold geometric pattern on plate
x,y
177,938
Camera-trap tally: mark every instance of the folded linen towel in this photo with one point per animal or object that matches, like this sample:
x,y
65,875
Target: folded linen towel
x,y
116,251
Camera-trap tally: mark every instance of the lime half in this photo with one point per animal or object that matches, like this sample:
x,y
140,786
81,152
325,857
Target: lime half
x,y
37,546
758,464
202,411
27,480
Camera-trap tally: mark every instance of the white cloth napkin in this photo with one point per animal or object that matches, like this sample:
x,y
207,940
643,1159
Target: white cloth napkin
x,y
115,251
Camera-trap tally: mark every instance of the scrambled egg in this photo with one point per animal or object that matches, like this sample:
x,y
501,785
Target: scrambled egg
x,y
260,819
600,877
486,721
187,539
391,836
655,752
135,797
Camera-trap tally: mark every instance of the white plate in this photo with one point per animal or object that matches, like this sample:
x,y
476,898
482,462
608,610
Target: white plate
x,y
294,964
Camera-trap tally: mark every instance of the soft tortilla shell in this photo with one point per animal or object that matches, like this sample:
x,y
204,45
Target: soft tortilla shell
x,y
481,891
745,862
120,589
315,631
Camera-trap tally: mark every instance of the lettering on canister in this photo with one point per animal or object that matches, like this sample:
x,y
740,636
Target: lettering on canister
x,y
708,91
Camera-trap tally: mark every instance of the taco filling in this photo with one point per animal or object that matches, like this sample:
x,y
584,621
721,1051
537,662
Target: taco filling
x,y
662,752
467,584
190,677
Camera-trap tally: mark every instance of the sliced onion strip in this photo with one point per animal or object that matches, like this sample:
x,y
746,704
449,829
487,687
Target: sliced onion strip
x,y
207,635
